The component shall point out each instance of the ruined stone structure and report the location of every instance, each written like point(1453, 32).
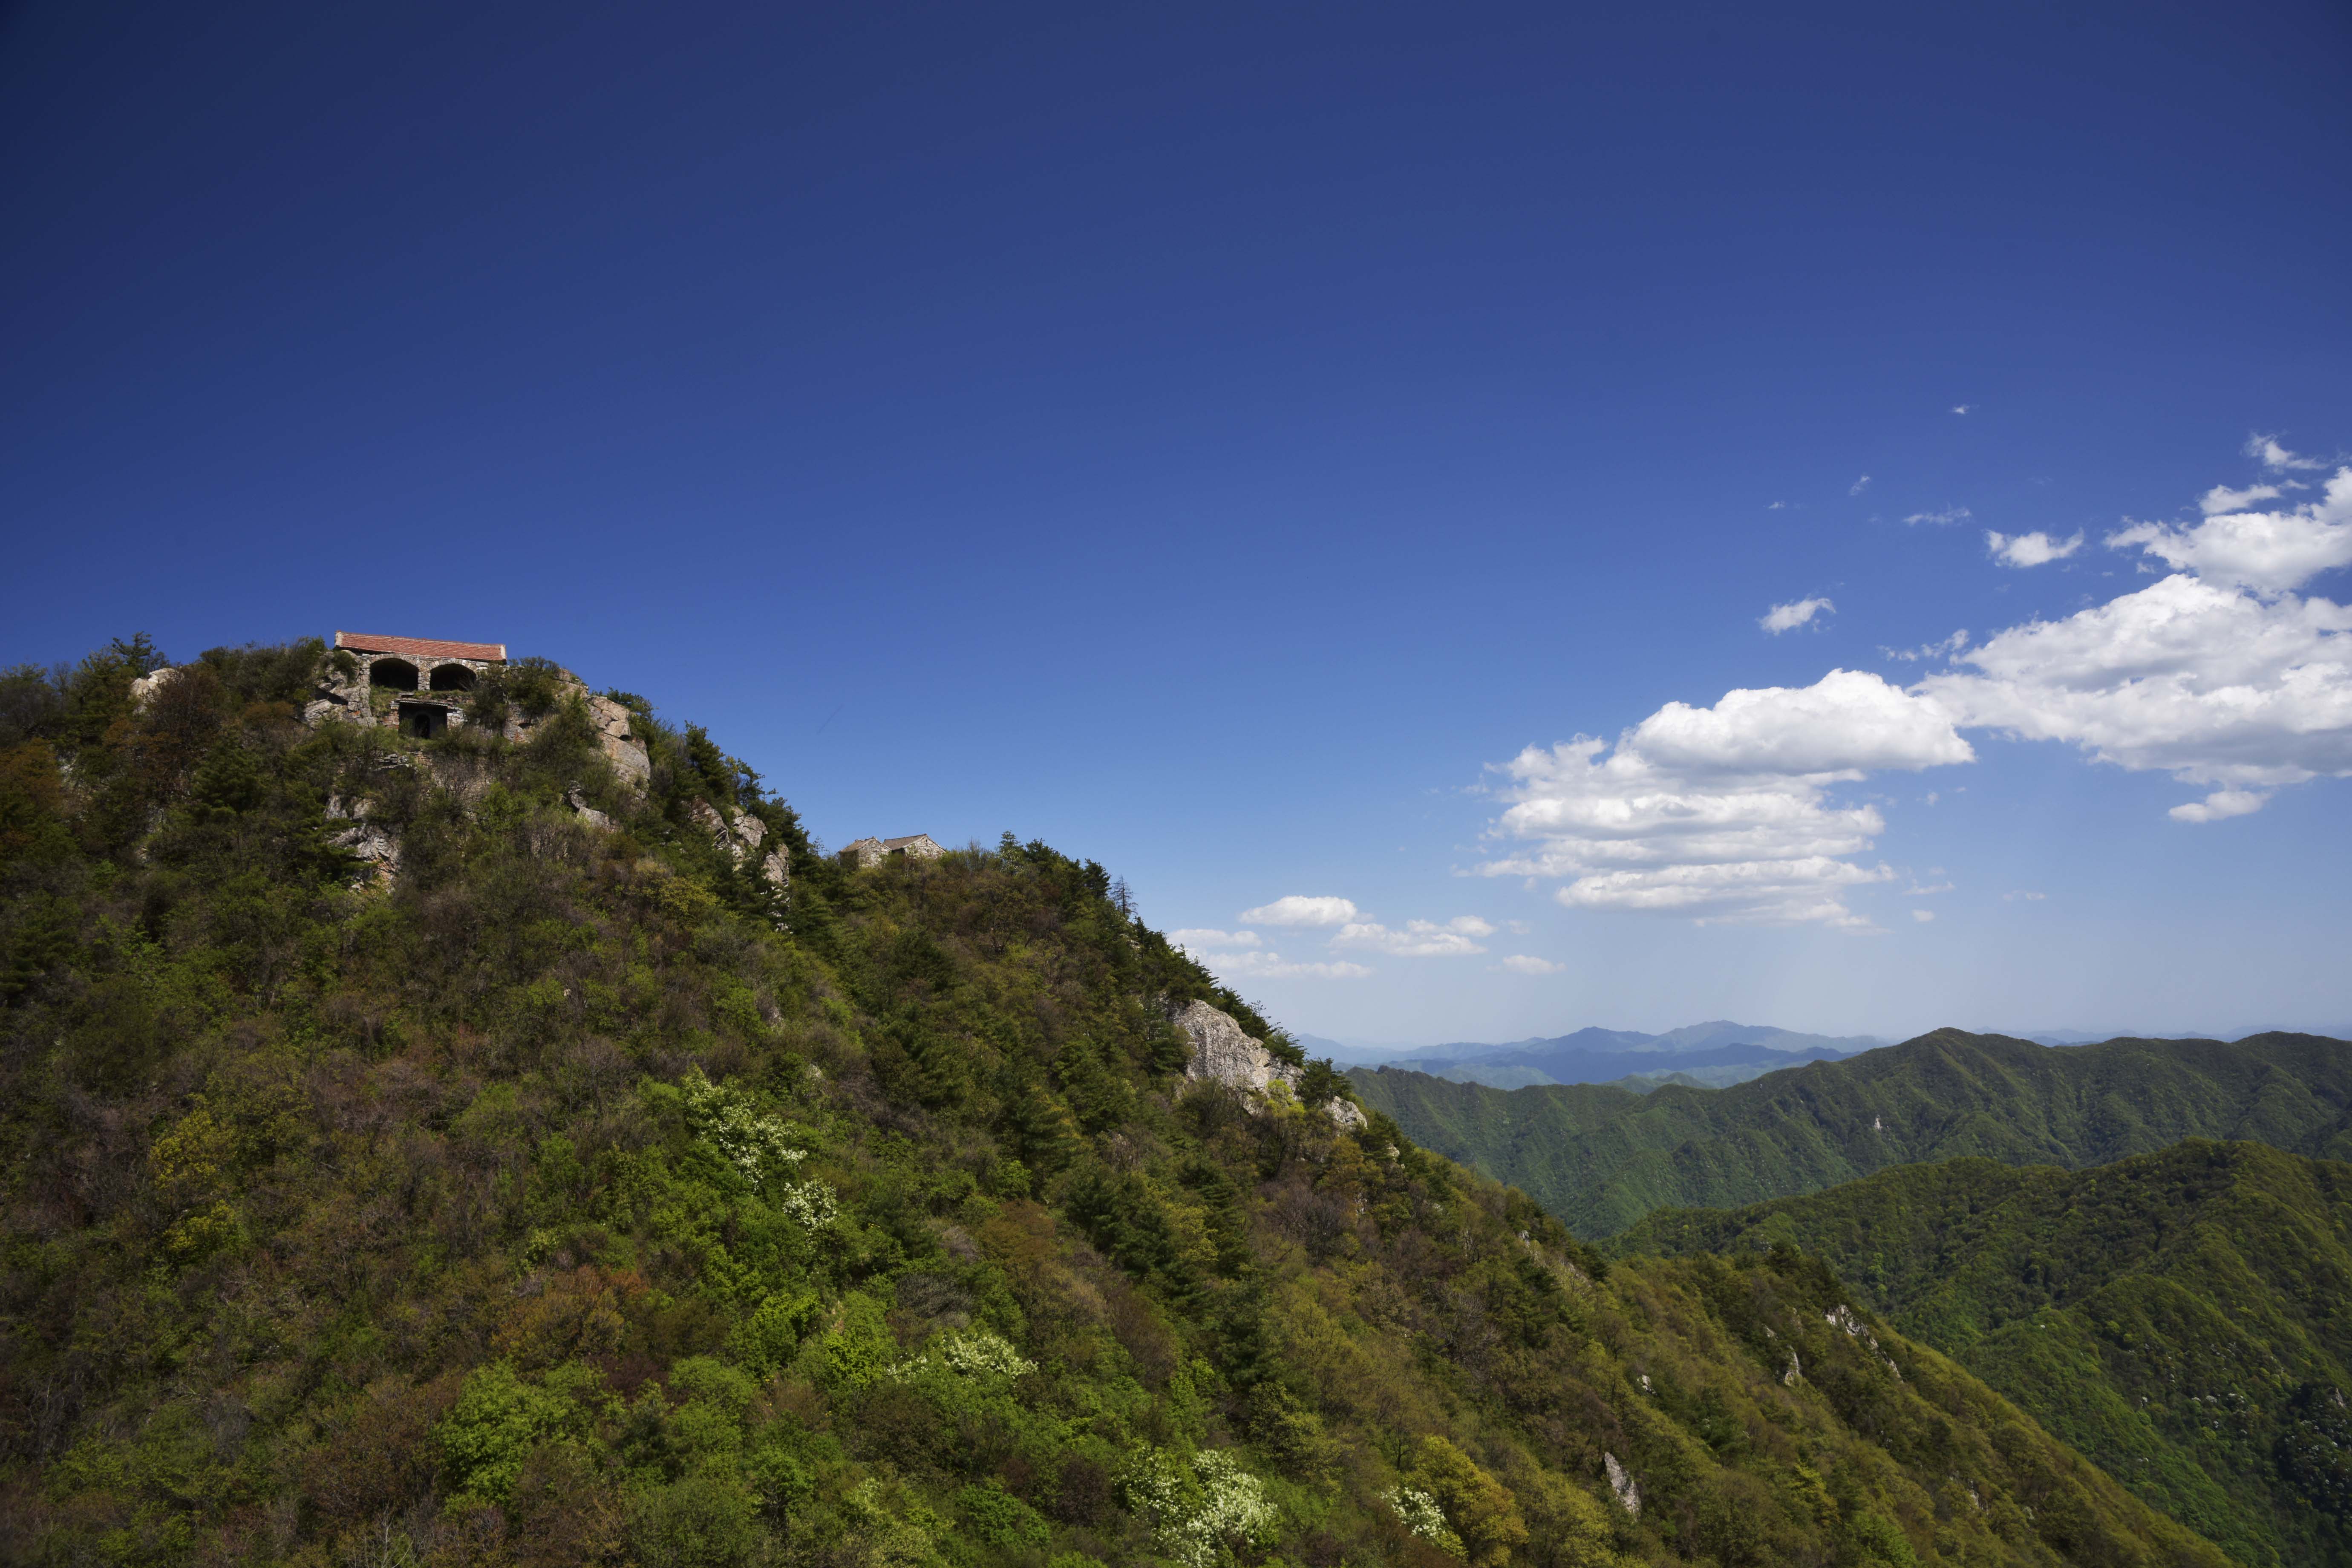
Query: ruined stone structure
point(873, 851)
point(419, 685)
point(415, 685)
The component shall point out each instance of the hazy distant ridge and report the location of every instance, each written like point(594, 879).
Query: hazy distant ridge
point(1600, 1159)
point(1712, 1054)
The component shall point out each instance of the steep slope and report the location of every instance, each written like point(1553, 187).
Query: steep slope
point(571, 1195)
point(1599, 1158)
point(2184, 1318)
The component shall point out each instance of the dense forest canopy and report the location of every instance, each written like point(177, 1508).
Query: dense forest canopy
point(572, 1193)
point(2184, 1318)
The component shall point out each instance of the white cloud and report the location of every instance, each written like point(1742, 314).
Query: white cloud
point(1723, 813)
point(2221, 498)
point(2275, 458)
point(2221, 803)
point(1788, 617)
point(2269, 552)
point(2215, 685)
point(1200, 939)
point(1917, 891)
point(2030, 897)
point(1778, 506)
point(1949, 514)
point(1923, 916)
point(1419, 939)
point(1932, 651)
point(1526, 963)
point(1273, 966)
point(2219, 675)
point(2036, 549)
point(1962, 407)
point(1858, 486)
point(1298, 910)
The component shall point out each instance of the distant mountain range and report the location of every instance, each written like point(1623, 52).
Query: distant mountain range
point(1600, 1159)
point(1710, 1055)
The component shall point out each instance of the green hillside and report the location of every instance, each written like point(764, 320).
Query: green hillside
point(1599, 1158)
point(2184, 1318)
point(572, 1194)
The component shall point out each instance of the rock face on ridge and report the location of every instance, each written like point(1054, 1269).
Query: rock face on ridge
point(1222, 1052)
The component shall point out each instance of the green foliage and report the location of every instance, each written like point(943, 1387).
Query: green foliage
point(497, 1421)
point(2179, 1317)
point(549, 1201)
point(1600, 1158)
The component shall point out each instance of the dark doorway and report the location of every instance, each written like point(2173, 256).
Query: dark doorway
point(393, 675)
point(452, 677)
point(423, 720)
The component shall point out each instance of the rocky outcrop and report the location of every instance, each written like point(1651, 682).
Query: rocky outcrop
point(1222, 1053)
point(1622, 1482)
point(373, 843)
point(620, 746)
point(609, 718)
point(578, 800)
point(143, 689)
point(738, 836)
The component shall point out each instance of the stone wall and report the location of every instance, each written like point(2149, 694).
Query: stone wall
point(871, 852)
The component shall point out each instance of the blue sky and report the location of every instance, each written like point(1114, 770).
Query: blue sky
point(1220, 443)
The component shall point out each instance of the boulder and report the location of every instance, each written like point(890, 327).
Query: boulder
point(578, 802)
point(143, 689)
point(1222, 1052)
point(621, 748)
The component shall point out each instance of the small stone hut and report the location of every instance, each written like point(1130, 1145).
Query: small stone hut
point(915, 846)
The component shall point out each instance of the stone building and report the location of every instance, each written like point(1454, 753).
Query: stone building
point(873, 851)
point(415, 685)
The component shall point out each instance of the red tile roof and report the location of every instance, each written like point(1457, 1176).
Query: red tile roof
point(422, 647)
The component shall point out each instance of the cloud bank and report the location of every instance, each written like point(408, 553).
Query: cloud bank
point(2218, 673)
point(1298, 910)
point(1723, 813)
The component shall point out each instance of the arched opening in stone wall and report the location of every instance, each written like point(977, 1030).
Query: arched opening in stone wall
point(424, 720)
point(452, 677)
point(393, 675)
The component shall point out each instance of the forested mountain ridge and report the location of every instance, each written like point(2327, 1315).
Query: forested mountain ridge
point(567, 1198)
point(2184, 1318)
point(1600, 1158)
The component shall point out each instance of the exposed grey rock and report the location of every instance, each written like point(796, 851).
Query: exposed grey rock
point(749, 831)
point(1220, 1051)
point(143, 689)
point(705, 816)
point(1622, 1482)
point(622, 748)
point(777, 868)
point(578, 800)
point(378, 846)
